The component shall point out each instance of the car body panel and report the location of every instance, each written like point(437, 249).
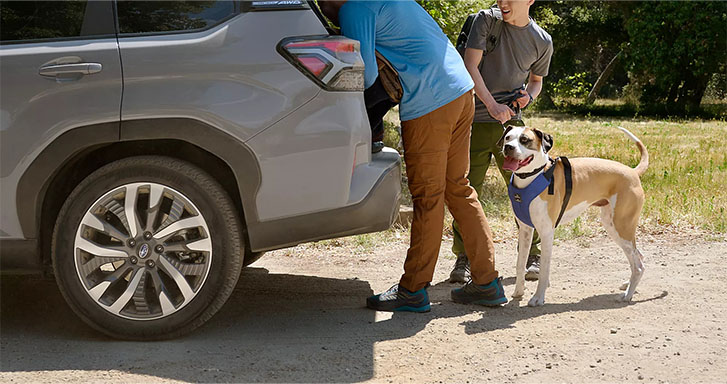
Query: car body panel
point(40, 109)
point(229, 76)
point(307, 159)
point(300, 155)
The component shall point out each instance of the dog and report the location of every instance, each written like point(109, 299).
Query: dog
point(610, 185)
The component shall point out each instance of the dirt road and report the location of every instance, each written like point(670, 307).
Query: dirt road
point(298, 316)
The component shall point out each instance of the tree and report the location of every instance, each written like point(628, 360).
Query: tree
point(450, 15)
point(587, 35)
point(674, 49)
point(602, 79)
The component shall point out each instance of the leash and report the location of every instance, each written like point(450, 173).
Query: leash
point(515, 108)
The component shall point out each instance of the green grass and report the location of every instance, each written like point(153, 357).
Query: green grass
point(687, 175)
point(685, 185)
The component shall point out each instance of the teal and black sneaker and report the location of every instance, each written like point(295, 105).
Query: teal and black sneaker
point(398, 298)
point(491, 294)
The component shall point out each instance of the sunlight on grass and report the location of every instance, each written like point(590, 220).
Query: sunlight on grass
point(684, 185)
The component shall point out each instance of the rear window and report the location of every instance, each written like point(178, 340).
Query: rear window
point(42, 20)
point(151, 17)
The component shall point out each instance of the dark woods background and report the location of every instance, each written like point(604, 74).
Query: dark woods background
point(625, 57)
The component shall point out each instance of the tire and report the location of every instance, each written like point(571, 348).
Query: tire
point(161, 274)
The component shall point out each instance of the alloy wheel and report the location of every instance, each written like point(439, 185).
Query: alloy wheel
point(143, 251)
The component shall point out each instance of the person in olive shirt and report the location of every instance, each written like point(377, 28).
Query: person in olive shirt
point(523, 53)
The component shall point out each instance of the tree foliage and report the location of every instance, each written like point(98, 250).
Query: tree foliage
point(450, 15)
point(671, 51)
point(586, 36)
point(674, 49)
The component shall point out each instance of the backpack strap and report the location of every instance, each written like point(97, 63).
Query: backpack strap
point(464, 34)
point(493, 34)
point(495, 31)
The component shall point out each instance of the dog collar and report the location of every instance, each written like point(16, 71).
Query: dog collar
point(534, 172)
point(529, 174)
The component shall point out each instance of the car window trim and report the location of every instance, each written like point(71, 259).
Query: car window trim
point(58, 39)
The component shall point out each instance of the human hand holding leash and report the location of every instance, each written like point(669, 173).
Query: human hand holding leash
point(501, 112)
point(524, 99)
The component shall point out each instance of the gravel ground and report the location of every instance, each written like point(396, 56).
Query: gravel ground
point(298, 316)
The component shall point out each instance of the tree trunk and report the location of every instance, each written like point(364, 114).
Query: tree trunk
point(693, 96)
point(545, 101)
point(602, 79)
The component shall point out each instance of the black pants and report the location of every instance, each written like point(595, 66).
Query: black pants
point(377, 104)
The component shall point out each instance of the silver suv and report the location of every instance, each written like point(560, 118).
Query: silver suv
point(151, 149)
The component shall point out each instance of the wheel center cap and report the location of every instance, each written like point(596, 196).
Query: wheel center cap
point(144, 251)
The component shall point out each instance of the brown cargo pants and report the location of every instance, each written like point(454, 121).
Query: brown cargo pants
point(436, 152)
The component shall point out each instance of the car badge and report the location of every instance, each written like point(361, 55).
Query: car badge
point(144, 250)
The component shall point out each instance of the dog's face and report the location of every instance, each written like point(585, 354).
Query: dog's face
point(525, 148)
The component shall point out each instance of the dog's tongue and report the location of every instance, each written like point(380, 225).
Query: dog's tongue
point(511, 164)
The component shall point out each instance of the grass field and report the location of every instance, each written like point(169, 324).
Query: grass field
point(686, 180)
point(685, 185)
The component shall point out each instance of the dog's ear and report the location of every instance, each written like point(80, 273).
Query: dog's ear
point(546, 139)
point(502, 139)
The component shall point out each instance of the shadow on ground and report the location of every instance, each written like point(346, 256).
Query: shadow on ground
point(274, 328)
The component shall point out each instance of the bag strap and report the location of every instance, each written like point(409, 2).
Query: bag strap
point(493, 35)
point(389, 77)
point(464, 33)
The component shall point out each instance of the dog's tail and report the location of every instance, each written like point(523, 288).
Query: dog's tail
point(644, 163)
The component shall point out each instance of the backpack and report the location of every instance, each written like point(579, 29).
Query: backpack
point(493, 34)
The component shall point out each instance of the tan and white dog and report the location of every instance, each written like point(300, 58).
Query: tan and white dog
point(614, 187)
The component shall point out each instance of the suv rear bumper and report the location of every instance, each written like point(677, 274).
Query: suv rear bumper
point(375, 212)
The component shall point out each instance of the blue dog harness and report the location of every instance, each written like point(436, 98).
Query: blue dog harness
point(521, 198)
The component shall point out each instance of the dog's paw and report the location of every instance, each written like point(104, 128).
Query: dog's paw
point(624, 286)
point(536, 301)
point(518, 293)
point(625, 297)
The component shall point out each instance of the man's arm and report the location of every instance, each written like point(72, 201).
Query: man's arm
point(535, 85)
point(500, 112)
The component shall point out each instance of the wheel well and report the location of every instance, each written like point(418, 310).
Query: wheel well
point(87, 161)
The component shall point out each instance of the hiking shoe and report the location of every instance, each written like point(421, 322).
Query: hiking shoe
point(461, 271)
point(532, 268)
point(491, 294)
point(400, 299)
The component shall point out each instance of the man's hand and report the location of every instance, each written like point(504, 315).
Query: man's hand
point(524, 99)
point(501, 112)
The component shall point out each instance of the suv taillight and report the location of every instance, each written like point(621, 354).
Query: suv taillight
point(334, 62)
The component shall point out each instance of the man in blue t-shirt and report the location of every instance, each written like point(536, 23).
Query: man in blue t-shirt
point(436, 111)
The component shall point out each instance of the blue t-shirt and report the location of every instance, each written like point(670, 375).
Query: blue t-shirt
point(431, 71)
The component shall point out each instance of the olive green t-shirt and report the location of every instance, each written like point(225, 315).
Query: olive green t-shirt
point(521, 50)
